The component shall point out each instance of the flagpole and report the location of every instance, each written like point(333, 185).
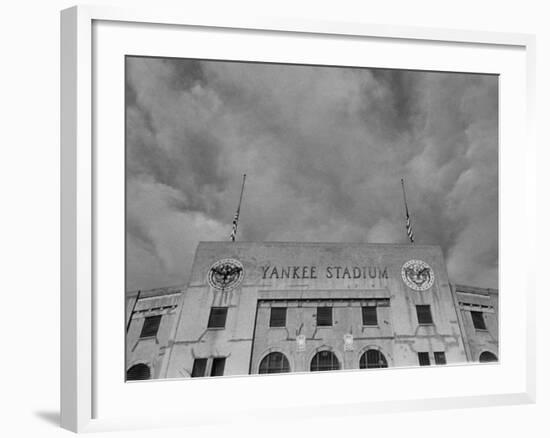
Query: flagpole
point(236, 219)
point(410, 233)
point(404, 196)
point(133, 311)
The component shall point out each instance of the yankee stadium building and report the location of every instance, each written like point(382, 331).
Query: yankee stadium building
point(279, 307)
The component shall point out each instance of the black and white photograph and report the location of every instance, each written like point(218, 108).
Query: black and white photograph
point(286, 218)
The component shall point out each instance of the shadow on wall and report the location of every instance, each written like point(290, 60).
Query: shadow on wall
point(51, 417)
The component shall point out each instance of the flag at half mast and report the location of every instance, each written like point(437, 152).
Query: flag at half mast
point(408, 225)
point(237, 213)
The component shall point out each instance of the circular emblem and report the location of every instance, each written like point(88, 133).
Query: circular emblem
point(225, 274)
point(418, 275)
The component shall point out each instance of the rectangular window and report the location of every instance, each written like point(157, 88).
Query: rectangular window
point(439, 357)
point(424, 314)
point(218, 365)
point(478, 320)
point(278, 317)
point(150, 326)
point(423, 359)
point(324, 316)
point(370, 315)
point(218, 315)
point(199, 368)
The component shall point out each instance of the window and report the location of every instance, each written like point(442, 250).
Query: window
point(278, 317)
point(199, 368)
point(373, 359)
point(217, 318)
point(423, 359)
point(487, 356)
point(478, 320)
point(440, 358)
point(139, 371)
point(325, 361)
point(324, 316)
point(370, 316)
point(274, 363)
point(150, 326)
point(424, 314)
point(218, 365)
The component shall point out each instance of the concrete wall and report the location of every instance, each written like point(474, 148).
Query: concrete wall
point(301, 320)
point(150, 350)
point(315, 273)
point(192, 339)
point(470, 299)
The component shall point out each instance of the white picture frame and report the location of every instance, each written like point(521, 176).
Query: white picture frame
point(89, 400)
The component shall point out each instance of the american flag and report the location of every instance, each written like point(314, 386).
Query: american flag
point(236, 218)
point(410, 233)
point(409, 228)
point(234, 230)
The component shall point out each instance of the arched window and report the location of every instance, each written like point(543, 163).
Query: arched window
point(373, 359)
point(139, 371)
point(487, 356)
point(325, 361)
point(274, 363)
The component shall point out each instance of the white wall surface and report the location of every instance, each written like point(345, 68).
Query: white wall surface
point(29, 184)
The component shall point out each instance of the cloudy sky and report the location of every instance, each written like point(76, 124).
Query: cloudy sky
point(323, 149)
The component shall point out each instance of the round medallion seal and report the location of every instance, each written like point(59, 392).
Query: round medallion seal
point(225, 274)
point(418, 275)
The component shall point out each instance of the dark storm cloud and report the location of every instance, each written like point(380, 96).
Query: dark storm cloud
point(324, 150)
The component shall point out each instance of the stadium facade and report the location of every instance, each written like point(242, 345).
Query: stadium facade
point(253, 308)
